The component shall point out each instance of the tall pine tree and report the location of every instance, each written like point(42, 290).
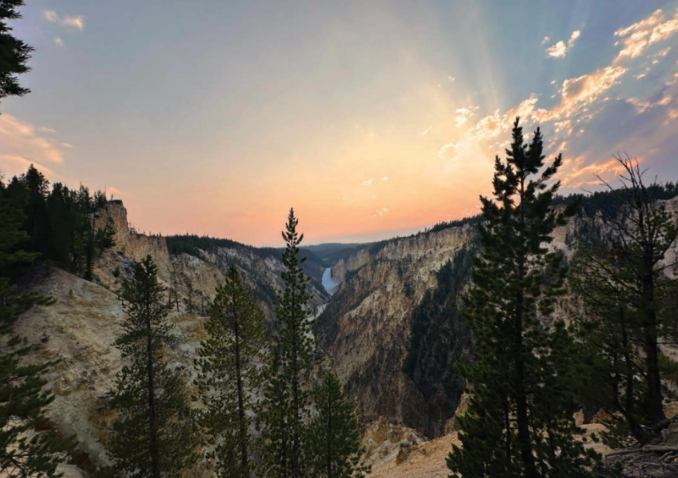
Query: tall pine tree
point(22, 397)
point(334, 449)
point(519, 422)
point(152, 436)
point(229, 376)
point(627, 288)
point(14, 53)
point(288, 377)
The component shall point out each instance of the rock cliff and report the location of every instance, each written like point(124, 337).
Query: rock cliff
point(366, 327)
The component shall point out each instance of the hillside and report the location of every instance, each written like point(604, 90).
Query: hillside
point(393, 328)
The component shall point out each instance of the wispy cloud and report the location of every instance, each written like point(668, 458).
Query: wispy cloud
point(582, 175)
point(367, 182)
point(15, 165)
point(19, 138)
point(384, 178)
point(639, 36)
point(462, 115)
point(577, 94)
point(560, 49)
point(448, 151)
point(58, 41)
point(77, 21)
point(384, 211)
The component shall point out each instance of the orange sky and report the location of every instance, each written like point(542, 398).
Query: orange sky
point(370, 118)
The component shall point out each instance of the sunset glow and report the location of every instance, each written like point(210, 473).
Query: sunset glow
point(370, 118)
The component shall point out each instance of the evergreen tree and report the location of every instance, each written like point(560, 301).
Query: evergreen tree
point(229, 376)
point(333, 436)
point(89, 241)
point(627, 291)
point(152, 437)
point(105, 238)
point(22, 398)
point(520, 419)
point(14, 53)
point(275, 418)
point(611, 346)
point(290, 365)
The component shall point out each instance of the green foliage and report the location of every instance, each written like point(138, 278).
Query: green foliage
point(22, 398)
point(14, 53)
point(520, 418)
point(229, 377)
point(440, 342)
point(628, 298)
point(59, 223)
point(286, 397)
point(152, 436)
point(105, 238)
point(333, 436)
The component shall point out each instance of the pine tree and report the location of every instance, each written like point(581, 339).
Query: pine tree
point(105, 238)
point(89, 241)
point(609, 331)
point(152, 436)
point(275, 418)
point(627, 290)
point(22, 397)
point(519, 422)
point(334, 449)
point(14, 53)
point(229, 376)
point(290, 364)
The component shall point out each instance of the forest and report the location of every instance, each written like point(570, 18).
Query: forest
point(531, 336)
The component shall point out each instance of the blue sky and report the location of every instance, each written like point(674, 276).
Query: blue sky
point(371, 118)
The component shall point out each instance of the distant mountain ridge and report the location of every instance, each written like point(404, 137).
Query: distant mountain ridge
point(393, 328)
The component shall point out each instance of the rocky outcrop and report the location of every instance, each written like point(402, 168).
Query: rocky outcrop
point(132, 245)
point(195, 277)
point(79, 330)
point(366, 327)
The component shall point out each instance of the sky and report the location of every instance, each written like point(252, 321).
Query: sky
point(371, 118)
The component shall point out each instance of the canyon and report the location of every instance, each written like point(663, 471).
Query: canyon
point(406, 390)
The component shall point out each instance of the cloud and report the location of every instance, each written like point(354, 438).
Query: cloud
point(22, 139)
point(58, 41)
point(50, 15)
point(77, 22)
point(560, 49)
point(545, 40)
point(585, 89)
point(367, 182)
point(639, 36)
point(15, 165)
point(588, 175)
point(384, 178)
point(448, 151)
point(577, 94)
point(115, 193)
point(496, 124)
point(463, 115)
point(384, 211)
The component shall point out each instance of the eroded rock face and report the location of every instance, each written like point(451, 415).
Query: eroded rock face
point(193, 278)
point(79, 330)
point(366, 326)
